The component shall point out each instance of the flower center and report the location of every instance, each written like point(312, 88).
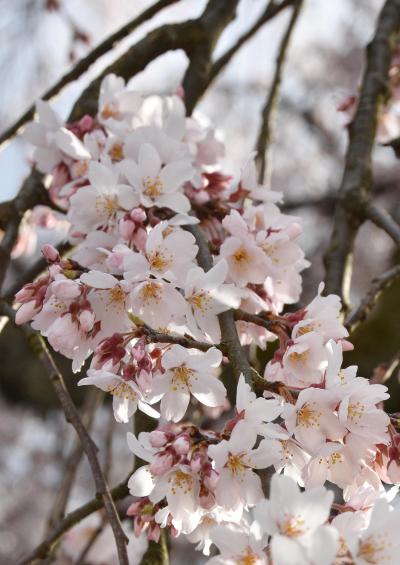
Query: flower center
point(151, 292)
point(293, 526)
point(159, 261)
point(152, 187)
point(371, 550)
point(116, 152)
point(307, 417)
point(355, 411)
point(106, 205)
point(116, 295)
point(240, 255)
point(249, 558)
point(235, 463)
point(109, 111)
point(122, 390)
point(182, 481)
point(181, 377)
point(201, 301)
point(298, 358)
point(306, 329)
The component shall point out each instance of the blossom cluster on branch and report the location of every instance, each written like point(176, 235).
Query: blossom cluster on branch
point(137, 182)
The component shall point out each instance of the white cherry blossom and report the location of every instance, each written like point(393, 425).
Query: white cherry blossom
point(188, 371)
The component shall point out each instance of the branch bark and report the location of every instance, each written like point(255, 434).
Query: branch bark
point(357, 175)
point(83, 65)
point(269, 110)
point(378, 285)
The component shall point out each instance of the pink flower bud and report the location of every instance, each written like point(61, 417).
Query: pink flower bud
point(206, 499)
point(50, 253)
point(144, 380)
point(158, 438)
point(115, 261)
point(126, 229)
point(182, 445)
point(211, 479)
point(26, 312)
point(134, 508)
point(66, 289)
point(140, 238)
point(86, 320)
point(153, 533)
point(161, 464)
point(138, 215)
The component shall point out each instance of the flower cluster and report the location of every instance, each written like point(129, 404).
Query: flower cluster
point(138, 183)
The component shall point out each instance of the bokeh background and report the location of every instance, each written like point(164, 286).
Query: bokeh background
point(40, 40)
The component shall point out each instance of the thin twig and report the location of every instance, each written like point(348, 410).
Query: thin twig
point(383, 220)
point(356, 182)
point(269, 110)
point(229, 337)
point(159, 337)
point(42, 550)
point(378, 285)
point(384, 371)
point(72, 416)
point(72, 461)
point(90, 542)
point(83, 65)
point(270, 12)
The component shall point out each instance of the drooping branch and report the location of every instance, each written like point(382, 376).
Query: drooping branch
point(72, 461)
point(383, 220)
point(378, 285)
point(73, 417)
point(357, 175)
point(269, 110)
point(272, 9)
point(229, 336)
point(119, 492)
point(159, 337)
point(83, 64)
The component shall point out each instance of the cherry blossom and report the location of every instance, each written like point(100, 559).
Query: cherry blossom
point(188, 371)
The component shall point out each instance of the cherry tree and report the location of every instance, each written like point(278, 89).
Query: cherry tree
point(173, 272)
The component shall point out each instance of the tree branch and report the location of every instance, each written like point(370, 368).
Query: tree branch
point(72, 416)
point(270, 12)
point(383, 220)
point(83, 65)
point(43, 549)
point(269, 110)
point(357, 173)
point(378, 285)
point(229, 336)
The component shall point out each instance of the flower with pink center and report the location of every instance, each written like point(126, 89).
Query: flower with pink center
point(246, 261)
point(313, 419)
point(207, 296)
point(157, 184)
point(296, 521)
point(235, 460)
point(102, 202)
point(188, 371)
point(127, 397)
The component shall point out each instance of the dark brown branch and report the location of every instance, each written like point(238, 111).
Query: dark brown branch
point(229, 336)
point(384, 371)
point(72, 416)
point(270, 12)
point(383, 220)
point(72, 462)
point(356, 181)
point(159, 337)
point(378, 285)
point(43, 549)
point(83, 65)
point(269, 110)
point(215, 18)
